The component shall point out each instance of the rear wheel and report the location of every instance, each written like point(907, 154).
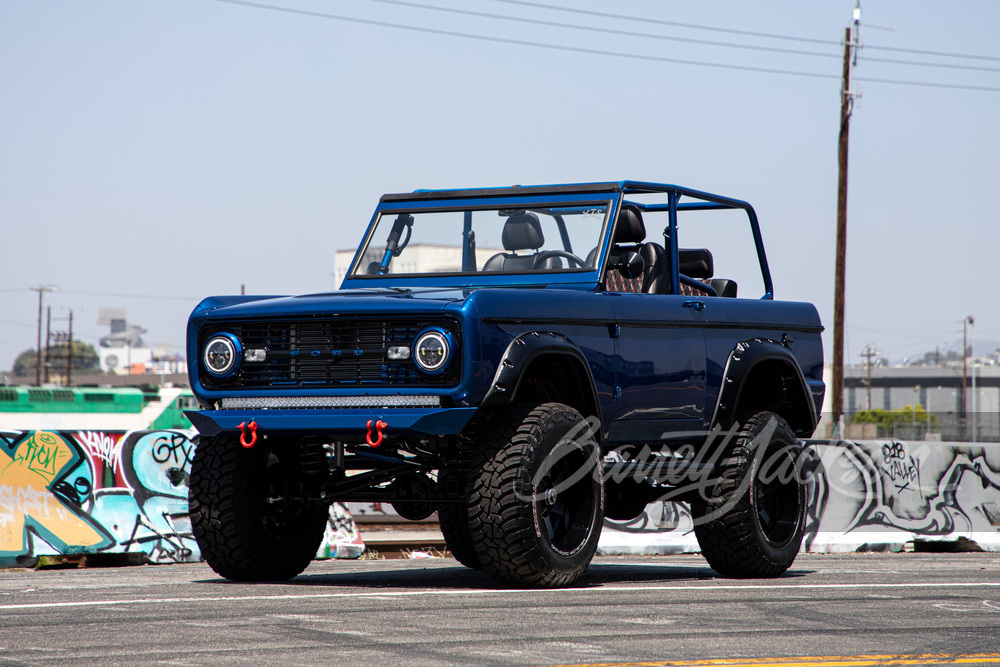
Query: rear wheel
point(752, 521)
point(248, 511)
point(536, 501)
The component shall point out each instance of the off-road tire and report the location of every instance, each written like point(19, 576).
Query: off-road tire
point(751, 523)
point(536, 502)
point(246, 509)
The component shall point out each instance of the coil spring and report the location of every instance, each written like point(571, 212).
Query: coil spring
point(313, 460)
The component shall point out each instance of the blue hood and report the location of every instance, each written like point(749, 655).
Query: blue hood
point(348, 302)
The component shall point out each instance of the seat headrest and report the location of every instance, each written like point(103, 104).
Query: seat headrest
point(630, 228)
point(696, 263)
point(523, 232)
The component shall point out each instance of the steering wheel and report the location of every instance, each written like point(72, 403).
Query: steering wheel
point(546, 254)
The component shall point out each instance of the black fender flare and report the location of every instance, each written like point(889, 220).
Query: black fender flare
point(744, 358)
point(519, 355)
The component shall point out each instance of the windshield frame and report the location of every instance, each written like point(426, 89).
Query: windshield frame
point(587, 277)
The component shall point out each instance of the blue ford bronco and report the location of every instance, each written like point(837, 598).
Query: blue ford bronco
point(524, 361)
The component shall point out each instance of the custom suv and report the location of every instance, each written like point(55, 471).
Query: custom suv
point(525, 361)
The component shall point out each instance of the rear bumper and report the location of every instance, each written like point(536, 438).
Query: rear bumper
point(346, 422)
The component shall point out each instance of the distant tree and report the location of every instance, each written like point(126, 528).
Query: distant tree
point(938, 358)
point(85, 360)
point(886, 419)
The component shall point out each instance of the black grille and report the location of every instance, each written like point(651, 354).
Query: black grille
point(329, 353)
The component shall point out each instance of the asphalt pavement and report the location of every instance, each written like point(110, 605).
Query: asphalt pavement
point(910, 608)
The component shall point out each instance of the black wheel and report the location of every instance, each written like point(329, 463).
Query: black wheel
point(454, 521)
point(751, 524)
point(247, 510)
point(536, 502)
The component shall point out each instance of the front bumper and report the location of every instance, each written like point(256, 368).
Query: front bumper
point(352, 422)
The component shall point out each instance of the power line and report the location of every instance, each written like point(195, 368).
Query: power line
point(732, 31)
point(575, 49)
point(124, 295)
point(521, 42)
point(924, 84)
point(920, 52)
point(17, 324)
point(610, 31)
point(675, 24)
point(670, 38)
point(892, 61)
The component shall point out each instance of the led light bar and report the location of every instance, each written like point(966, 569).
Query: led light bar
point(295, 402)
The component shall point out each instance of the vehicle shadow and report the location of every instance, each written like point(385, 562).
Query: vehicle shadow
point(447, 574)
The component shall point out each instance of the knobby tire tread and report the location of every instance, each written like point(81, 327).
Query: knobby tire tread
point(503, 526)
point(728, 542)
point(218, 521)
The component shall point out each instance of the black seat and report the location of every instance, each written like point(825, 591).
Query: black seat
point(630, 232)
point(521, 231)
point(696, 264)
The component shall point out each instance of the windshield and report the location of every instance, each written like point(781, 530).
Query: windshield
point(497, 240)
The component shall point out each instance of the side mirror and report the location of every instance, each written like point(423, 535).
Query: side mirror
point(631, 265)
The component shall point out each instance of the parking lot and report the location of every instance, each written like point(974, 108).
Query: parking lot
point(649, 610)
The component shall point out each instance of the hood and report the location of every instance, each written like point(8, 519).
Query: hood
point(347, 302)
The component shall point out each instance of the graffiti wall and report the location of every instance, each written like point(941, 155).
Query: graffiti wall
point(79, 492)
point(111, 492)
point(869, 495)
point(880, 495)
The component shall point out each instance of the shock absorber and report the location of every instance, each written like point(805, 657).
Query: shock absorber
point(315, 471)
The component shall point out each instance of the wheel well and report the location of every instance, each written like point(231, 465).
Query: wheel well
point(775, 386)
point(557, 378)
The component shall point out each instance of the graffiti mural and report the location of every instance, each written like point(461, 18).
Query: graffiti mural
point(867, 495)
point(80, 492)
point(664, 527)
point(888, 493)
point(342, 539)
point(111, 492)
point(144, 503)
point(45, 490)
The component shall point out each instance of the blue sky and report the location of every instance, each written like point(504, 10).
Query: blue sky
point(154, 152)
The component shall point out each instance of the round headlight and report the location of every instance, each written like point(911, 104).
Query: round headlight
point(432, 351)
point(221, 354)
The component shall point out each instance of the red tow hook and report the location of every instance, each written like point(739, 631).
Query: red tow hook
point(244, 427)
point(379, 427)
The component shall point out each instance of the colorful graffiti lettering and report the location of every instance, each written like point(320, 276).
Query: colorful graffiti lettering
point(38, 499)
point(87, 492)
point(150, 512)
point(92, 491)
point(103, 446)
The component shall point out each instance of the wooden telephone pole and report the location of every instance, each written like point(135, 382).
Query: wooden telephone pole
point(851, 43)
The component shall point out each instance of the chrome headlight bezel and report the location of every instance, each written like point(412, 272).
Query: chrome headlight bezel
point(234, 349)
point(446, 344)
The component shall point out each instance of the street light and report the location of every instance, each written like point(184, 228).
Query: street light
point(41, 289)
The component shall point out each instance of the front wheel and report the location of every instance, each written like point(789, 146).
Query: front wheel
point(536, 503)
point(751, 520)
point(248, 510)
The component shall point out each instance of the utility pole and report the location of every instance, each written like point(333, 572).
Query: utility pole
point(69, 353)
point(41, 289)
point(868, 353)
point(851, 43)
point(965, 354)
point(48, 342)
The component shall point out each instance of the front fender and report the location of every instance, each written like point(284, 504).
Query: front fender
point(524, 350)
